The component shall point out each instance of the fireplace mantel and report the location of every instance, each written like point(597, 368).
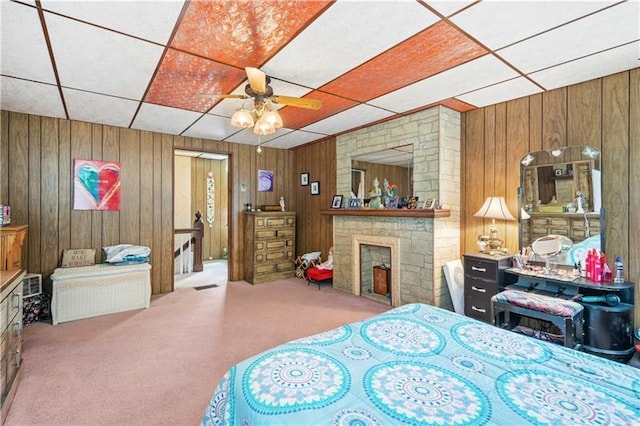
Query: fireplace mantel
point(418, 213)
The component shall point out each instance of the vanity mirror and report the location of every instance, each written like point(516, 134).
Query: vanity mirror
point(561, 194)
point(394, 164)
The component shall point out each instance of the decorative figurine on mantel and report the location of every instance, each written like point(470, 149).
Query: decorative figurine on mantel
point(390, 194)
point(375, 195)
point(282, 204)
point(579, 202)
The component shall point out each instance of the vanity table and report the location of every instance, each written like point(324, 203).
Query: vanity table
point(607, 329)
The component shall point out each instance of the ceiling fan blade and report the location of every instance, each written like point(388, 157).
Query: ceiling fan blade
point(211, 95)
point(257, 79)
point(297, 102)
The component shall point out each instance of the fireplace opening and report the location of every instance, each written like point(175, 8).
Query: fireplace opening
point(375, 272)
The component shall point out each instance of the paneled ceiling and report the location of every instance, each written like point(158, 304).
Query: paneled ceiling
point(141, 64)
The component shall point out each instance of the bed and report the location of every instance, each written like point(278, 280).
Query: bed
point(418, 364)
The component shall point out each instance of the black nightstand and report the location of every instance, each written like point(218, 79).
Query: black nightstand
point(483, 277)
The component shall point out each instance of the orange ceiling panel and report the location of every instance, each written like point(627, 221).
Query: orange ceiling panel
point(457, 105)
point(241, 32)
point(182, 76)
point(296, 118)
point(432, 51)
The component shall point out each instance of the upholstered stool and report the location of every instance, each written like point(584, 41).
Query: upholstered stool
point(564, 314)
point(319, 275)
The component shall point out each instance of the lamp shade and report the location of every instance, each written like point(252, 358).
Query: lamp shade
point(272, 118)
point(263, 128)
point(495, 208)
point(242, 118)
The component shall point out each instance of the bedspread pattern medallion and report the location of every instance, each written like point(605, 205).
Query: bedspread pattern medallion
point(418, 364)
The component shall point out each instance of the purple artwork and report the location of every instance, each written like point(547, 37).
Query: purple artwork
point(265, 180)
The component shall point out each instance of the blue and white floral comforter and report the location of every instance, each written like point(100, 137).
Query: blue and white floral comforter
point(418, 364)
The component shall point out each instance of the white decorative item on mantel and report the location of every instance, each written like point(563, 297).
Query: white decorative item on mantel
point(282, 208)
point(210, 199)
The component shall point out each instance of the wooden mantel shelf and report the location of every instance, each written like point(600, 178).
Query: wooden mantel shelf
point(417, 213)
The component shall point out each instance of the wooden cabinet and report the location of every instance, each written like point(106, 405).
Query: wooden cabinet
point(269, 250)
point(484, 276)
point(11, 240)
point(11, 339)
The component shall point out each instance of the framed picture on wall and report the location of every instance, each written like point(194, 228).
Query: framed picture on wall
point(304, 179)
point(337, 202)
point(315, 188)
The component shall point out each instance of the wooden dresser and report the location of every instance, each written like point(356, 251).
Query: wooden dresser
point(269, 249)
point(11, 275)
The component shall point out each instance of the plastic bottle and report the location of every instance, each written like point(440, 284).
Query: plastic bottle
point(596, 275)
point(619, 276)
point(588, 264)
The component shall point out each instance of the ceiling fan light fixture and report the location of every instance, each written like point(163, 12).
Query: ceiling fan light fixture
point(272, 118)
point(242, 118)
point(263, 128)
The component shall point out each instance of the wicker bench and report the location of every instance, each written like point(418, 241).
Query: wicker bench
point(88, 291)
point(564, 314)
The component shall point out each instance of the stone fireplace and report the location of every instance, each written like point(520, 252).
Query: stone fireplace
point(419, 246)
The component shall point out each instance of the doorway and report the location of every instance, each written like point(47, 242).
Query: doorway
point(201, 184)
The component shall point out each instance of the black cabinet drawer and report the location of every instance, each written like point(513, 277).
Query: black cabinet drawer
point(480, 269)
point(478, 308)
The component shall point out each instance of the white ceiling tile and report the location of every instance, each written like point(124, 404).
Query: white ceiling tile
point(613, 27)
point(606, 63)
point(158, 118)
point(344, 36)
point(293, 139)
point(480, 72)
point(30, 97)
point(353, 117)
point(151, 20)
point(101, 61)
point(24, 50)
point(448, 7)
point(499, 23)
point(247, 137)
point(512, 89)
point(95, 108)
point(212, 127)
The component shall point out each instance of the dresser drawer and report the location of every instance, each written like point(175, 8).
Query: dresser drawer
point(480, 269)
point(478, 308)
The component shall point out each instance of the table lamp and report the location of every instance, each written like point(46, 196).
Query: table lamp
point(494, 208)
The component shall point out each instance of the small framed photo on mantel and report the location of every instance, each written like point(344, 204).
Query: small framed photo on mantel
point(337, 202)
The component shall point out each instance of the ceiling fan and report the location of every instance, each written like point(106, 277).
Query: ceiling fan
point(261, 116)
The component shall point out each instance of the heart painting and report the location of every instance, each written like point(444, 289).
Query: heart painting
point(96, 185)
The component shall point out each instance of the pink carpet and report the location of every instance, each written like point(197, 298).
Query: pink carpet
point(159, 366)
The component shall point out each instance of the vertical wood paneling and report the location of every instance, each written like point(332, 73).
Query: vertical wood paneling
point(18, 177)
point(4, 158)
point(35, 142)
point(80, 149)
point(166, 245)
point(474, 165)
point(554, 118)
point(130, 197)
point(65, 176)
point(615, 163)
point(517, 147)
point(111, 219)
point(500, 168)
point(146, 189)
point(535, 122)
point(584, 125)
point(49, 205)
point(632, 263)
point(156, 217)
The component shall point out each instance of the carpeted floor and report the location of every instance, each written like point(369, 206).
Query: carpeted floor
point(159, 366)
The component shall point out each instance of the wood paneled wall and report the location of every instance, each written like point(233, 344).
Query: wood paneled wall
point(314, 231)
point(36, 179)
point(215, 237)
point(603, 113)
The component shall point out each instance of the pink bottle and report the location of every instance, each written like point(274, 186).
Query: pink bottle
point(588, 265)
point(597, 268)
